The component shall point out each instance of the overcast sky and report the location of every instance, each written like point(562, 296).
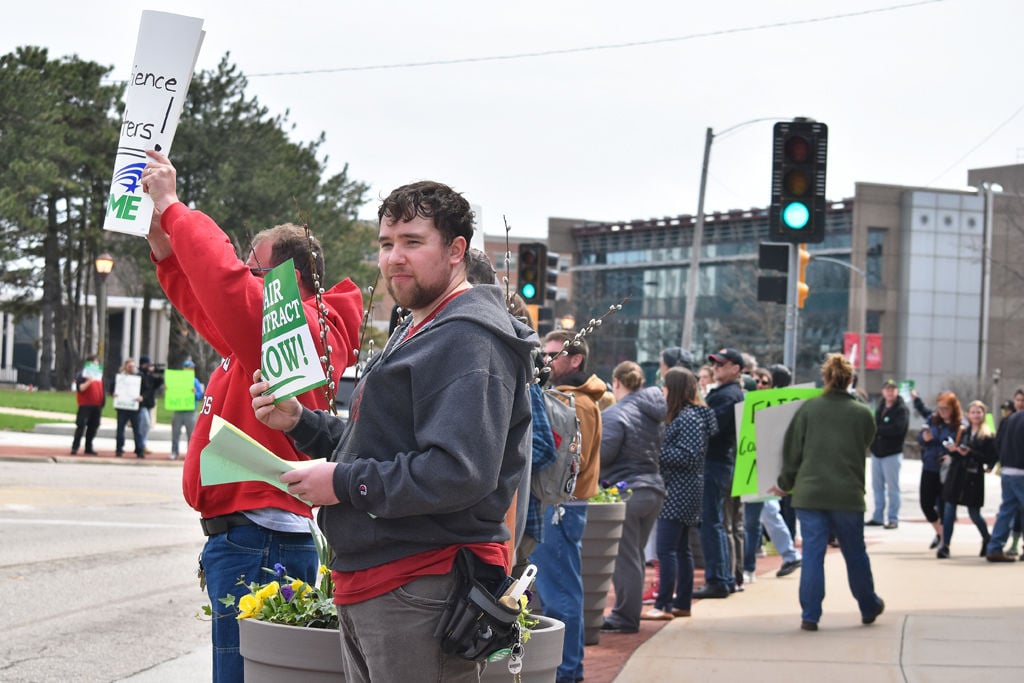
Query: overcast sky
point(913, 92)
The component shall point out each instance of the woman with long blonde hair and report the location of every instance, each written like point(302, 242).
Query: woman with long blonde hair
point(970, 455)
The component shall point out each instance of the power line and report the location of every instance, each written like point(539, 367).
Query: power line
point(972, 150)
point(595, 48)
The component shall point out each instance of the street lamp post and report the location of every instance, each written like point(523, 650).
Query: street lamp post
point(104, 264)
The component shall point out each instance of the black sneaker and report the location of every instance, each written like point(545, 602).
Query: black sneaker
point(873, 522)
point(608, 627)
point(711, 590)
point(788, 568)
point(808, 626)
point(870, 620)
point(892, 525)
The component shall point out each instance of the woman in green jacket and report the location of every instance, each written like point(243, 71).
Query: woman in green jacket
point(823, 467)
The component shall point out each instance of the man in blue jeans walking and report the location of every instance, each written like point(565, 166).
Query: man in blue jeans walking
point(719, 580)
point(1010, 441)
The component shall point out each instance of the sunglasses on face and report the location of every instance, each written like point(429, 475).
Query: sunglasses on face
point(763, 382)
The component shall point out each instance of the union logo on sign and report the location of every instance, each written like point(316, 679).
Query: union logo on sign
point(129, 176)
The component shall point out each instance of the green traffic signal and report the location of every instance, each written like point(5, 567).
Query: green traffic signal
point(796, 215)
point(528, 291)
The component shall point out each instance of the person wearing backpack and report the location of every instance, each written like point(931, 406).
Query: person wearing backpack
point(559, 580)
point(631, 433)
point(543, 455)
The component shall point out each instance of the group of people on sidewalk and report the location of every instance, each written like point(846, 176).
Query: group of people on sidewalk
point(424, 489)
point(91, 396)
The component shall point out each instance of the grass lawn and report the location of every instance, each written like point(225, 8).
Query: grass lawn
point(22, 423)
point(63, 402)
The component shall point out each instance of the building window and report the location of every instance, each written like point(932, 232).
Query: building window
point(873, 267)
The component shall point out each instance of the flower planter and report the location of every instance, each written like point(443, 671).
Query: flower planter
point(275, 652)
point(541, 655)
point(600, 548)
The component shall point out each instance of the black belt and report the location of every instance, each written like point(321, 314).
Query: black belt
point(218, 525)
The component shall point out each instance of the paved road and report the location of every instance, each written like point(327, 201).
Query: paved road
point(96, 563)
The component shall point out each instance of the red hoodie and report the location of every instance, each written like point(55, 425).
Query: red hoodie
point(218, 295)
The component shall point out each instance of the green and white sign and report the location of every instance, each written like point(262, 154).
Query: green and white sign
point(291, 362)
point(181, 390)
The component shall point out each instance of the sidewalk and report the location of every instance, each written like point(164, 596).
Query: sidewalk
point(945, 620)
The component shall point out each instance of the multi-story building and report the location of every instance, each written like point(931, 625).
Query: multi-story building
point(940, 269)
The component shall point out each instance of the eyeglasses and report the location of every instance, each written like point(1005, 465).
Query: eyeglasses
point(260, 272)
point(764, 382)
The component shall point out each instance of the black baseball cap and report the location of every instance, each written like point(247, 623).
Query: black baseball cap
point(727, 356)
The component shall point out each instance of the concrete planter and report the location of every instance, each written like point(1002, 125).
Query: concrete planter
point(600, 548)
point(541, 655)
point(275, 653)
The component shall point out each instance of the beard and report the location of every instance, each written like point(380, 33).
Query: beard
point(415, 295)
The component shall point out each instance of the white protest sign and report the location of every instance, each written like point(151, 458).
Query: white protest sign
point(127, 389)
point(771, 427)
point(291, 362)
point(165, 57)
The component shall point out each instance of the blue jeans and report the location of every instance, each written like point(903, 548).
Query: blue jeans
point(1010, 507)
point(949, 519)
point(145, 422)
point(243, 551)
point(885, 486)
point(559, 582)
point(713, 540)
point(126, 417)
point(675, 565)
point(849, 530)
point(752, 534)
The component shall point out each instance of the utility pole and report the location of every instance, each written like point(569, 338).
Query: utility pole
point(693, 277)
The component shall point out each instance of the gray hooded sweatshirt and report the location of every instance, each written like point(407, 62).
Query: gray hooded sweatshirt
point(437, 439)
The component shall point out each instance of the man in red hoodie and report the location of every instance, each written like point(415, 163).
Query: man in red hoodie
point(249, 525)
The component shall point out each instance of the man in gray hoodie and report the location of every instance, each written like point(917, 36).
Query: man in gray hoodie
point(436, 443)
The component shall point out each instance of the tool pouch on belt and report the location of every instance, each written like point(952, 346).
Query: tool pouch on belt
point(474, 623)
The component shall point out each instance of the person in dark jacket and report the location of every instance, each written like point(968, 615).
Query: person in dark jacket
point(1010, 445)
point(941, 425)
point(719, 579)
point(690, 426)
point(969, 458)
point(891, 421)
point(631, 432)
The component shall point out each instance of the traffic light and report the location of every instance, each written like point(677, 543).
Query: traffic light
point(801, 284)
point(771, 257)
point(551, 277)
point(799, 159)
point(532, 260)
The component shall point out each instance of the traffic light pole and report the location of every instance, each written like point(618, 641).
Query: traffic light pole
point(792, 313)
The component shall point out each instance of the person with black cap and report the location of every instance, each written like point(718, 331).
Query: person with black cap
point(892, 419)
point(719, 579)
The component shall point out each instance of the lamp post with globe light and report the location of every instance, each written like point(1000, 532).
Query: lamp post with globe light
point(104, 263)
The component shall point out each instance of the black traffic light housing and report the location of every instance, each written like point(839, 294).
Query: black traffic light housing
point(551, 277)
point(799, 161)
point(532, 263)
point(772, 257)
